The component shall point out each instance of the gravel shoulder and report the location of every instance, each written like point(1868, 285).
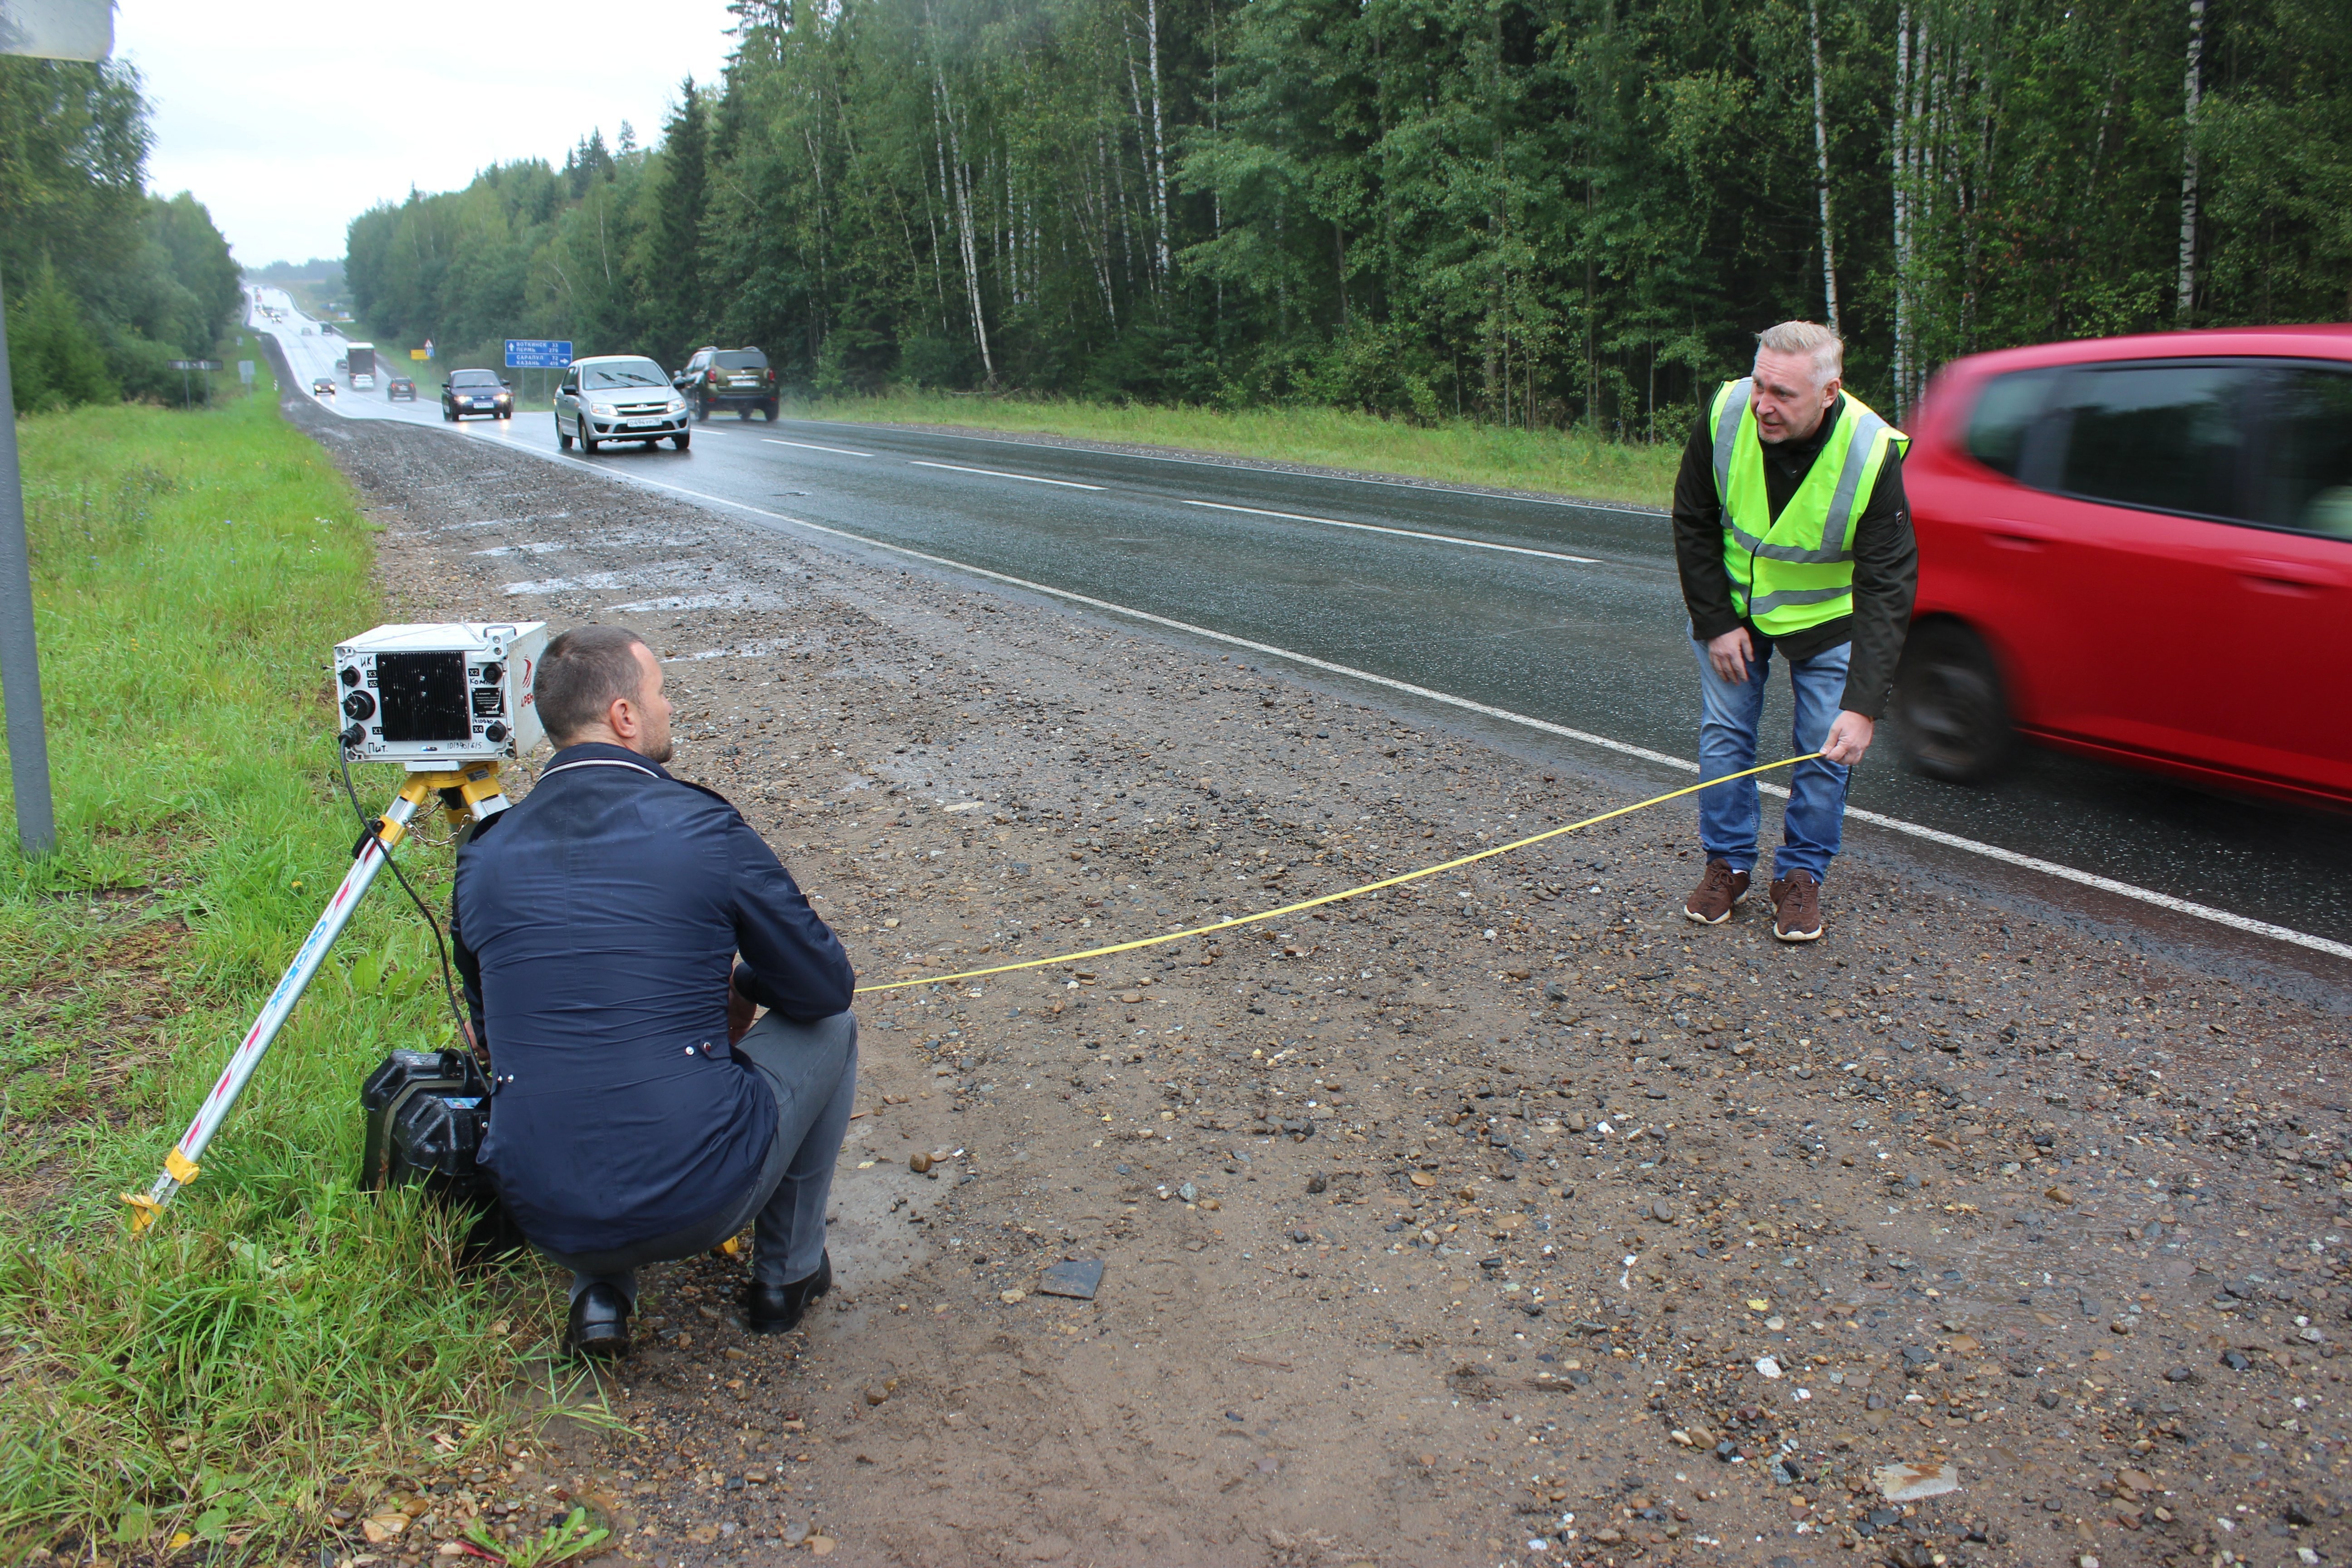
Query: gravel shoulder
point(1507, 1216)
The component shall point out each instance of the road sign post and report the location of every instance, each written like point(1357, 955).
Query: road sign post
point(528, 355)
point(185, 365)
point(538, 354)
point(57, 30)
point(20, 658)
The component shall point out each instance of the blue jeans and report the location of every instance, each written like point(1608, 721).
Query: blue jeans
point(1814, 822)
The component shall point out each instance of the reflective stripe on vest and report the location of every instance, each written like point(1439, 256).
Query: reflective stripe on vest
point(1796, 570)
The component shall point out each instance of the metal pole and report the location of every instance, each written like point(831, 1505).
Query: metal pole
point(20, 659)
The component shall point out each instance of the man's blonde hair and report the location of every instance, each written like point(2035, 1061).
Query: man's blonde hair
point(1825, 348)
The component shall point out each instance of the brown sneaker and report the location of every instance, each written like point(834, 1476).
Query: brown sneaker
point(1797, 907)
point(1711, 901)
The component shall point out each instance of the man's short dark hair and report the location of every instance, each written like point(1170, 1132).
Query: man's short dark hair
point(580, 674)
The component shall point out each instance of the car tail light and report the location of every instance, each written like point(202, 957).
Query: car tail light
point(714, 377)
point(768, 375)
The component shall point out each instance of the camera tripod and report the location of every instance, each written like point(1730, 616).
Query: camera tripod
point(470, 796)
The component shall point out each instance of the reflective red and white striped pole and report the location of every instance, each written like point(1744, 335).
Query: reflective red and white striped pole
point(180, 1165)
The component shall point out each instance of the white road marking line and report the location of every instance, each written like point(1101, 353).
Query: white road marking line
point(1001, 474)
point(1401, 532)
point(1247, 466)
point(598, 581)
point(699, 602)
point(813, 447)
point(2245, 923)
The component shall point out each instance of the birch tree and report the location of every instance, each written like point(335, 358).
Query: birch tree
point(2185, 298)
point(1821, 174)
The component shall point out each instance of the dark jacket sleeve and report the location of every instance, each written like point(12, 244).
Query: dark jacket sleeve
point(469, 971)
point(793, 964)
point(1699, 540)
point(1885, 581)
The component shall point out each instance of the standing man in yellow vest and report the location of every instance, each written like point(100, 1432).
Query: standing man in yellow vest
point(1792, 534)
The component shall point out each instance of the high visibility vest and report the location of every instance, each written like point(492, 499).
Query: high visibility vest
point(1796, 570)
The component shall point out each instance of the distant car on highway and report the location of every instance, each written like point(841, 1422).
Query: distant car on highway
point(322, 386)
point(400, 389)
point(2139, 550)
point(740, 379)
point(618, 397)
point(475, 392)
point(343, 365)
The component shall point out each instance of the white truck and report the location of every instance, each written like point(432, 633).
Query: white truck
point(363, 365)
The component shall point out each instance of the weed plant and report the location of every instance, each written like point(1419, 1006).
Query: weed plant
point(279, 1344)
point(1452, 452)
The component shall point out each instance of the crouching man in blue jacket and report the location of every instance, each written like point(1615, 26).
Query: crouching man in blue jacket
point(639, 1113)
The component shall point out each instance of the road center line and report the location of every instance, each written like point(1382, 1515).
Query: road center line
point(813, 447)
point(1001, 474)
point(1244, 465)
point(1401, 532)
point(1892, 824)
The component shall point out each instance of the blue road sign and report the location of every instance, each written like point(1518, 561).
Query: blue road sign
point(538, 354)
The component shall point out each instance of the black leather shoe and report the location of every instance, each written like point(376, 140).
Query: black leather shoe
point(778, 1308)
point(599, 1328)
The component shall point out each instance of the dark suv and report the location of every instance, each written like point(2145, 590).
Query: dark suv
point(740, 379)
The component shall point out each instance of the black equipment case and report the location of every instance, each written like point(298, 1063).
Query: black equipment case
point(426, 1113)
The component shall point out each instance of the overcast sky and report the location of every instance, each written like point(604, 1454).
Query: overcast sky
point(290, 118)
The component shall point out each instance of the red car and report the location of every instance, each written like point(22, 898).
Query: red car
point(2139, 550)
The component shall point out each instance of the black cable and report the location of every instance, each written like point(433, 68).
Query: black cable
point(440, 943)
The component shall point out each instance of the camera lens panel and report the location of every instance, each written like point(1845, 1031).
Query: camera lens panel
point(424, 697)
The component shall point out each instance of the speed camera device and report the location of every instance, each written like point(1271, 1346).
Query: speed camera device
point(440, 696)
point(449, 704)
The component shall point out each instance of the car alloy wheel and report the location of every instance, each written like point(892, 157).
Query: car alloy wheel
point(682, 440)
point(587, 442)
point(562, 437)
point(1952, 714)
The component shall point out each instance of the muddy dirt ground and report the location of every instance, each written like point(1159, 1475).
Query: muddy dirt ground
point(1509, 1217)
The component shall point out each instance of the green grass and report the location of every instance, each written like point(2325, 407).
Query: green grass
point(1454, 451)
point(279, 1344)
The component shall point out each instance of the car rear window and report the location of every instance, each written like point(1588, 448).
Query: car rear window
point(626, 372)
point(2307, 482)
point(740, 358)
point(2004, 415)
point(2165, 436)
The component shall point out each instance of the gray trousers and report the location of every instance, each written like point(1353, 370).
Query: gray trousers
point(811, 1070)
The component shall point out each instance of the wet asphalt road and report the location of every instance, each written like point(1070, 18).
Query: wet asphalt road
point(1576, 621)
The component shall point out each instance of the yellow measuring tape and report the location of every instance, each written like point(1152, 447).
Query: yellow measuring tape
point(1237, 922)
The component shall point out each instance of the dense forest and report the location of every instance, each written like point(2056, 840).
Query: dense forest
point(105, 282)
point(1537, 212)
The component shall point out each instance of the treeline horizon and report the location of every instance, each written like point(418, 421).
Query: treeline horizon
point(1543, 213)
point(105, 282)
